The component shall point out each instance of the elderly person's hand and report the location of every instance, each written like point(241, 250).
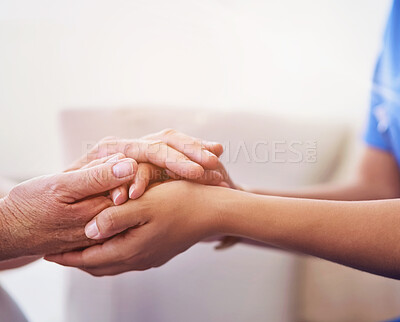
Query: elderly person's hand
point(47, 214)
point(163, 155)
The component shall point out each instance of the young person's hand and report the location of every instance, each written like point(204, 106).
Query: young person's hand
point(226, 179)
point(47, 214)
point(148, 174)
point(168, 219)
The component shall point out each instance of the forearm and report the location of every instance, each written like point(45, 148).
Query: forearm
point(5, 187)
point(7, 247)
point(363, 235)
point(376, 177)
point(352, 191)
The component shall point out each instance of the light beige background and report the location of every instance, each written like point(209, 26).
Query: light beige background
point(309, 59)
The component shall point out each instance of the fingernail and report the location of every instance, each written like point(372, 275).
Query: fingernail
point(116, 197)
point(131, 190)
point(91, 230)
point(123, 168)
point(210, 154)
point(224, 184)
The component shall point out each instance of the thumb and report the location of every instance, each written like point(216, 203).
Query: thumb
point(98, 179)
point(114, 220)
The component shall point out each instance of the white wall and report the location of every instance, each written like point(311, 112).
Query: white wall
point(296, 57)
point(308, 58)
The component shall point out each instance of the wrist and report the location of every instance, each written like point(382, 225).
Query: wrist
point(244, 214)
point(8, 247)
point(221, 207)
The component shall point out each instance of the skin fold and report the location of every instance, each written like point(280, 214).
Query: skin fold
point(46, 213)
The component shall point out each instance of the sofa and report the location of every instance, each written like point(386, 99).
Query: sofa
point(242, 283)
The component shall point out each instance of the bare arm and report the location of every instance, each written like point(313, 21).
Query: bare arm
point(378, 177)
point(175, 215)
point(364, 235)
point(5, 186)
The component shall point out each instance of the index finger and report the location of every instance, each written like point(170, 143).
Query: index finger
point(204, 153)
point(108, 253)
point(156, 152)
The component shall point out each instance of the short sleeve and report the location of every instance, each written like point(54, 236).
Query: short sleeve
point(376, 131)
point(384, 90)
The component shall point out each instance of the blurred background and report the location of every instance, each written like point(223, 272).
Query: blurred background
point(303, 61)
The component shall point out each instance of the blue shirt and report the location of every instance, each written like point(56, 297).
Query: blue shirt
point(383, 130)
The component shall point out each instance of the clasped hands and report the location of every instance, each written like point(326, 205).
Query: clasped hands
point(135, 216)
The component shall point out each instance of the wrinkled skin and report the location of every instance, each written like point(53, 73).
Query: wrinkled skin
point(47, 214)
point(165, 154)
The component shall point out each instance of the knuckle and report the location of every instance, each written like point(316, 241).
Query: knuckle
point(96, 177)
point(180, 157)
point(106, 223)
point(108, 139)
point(130, 148)
point(155, 146)
point(156, 143)
point(57, 187)
point(198, 144)
point(192, 146)
point(168, 132)
point(212, 160)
